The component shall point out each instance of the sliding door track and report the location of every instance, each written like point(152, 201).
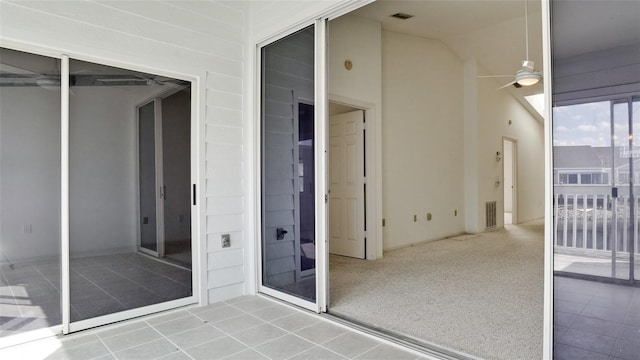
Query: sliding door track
point(410, 342)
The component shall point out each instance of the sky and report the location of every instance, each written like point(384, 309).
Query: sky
point(590, 124)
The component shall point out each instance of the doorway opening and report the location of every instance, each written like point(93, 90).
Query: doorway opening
point(509, 167)
point(347, 181)
point(164, 182)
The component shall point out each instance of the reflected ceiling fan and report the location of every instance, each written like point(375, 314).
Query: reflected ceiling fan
point(527, 75)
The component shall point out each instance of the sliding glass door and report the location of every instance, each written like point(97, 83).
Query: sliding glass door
point(94, 173)
point(30, 284)
point(596, 172)
point(289, 168)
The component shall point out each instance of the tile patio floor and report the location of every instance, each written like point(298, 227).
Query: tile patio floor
point(594, 320)
point(248, 327)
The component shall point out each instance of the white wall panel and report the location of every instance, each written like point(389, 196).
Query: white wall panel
point(197, 39)
point(422, 138)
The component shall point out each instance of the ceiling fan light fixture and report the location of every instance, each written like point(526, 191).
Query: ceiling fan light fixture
point(527, 78)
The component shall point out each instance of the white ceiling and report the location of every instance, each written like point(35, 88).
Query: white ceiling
point(493, 31)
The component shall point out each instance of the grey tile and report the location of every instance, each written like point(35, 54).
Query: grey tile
point(150, 350)
point(135, 338)
point(321, 332)
point(117, 329)
point(197, 336)
point(318, 353)
point(627, 350)
point(88, 350)
point(259, 334)
point(167, 317)
point(598, 343)
point(615, 301)
point(566, 352)
point(384, 352)
point(251, 303)
point(568, 307)
point(563, 318)
point(566, 295)
point(105, 357)
point(596, 326)
point(295, 321)
point(351, 344)
point(219, 313)
point(633, 319)
point(614, 314)
point(247, 355)
point(239, 323)
point(178, 325)
point(558, 330)
point(284, 347)
point(631, 333)
point(273, 312)
point(216, 349)
point(176, 356)
point(76, 339)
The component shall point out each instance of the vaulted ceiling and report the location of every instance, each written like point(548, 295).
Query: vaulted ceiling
point(493, 31)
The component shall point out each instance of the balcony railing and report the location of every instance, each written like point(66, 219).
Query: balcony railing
point(588, 220)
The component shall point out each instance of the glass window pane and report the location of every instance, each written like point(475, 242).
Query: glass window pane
point(288, 198)
point(129, 179)
point(29, 192)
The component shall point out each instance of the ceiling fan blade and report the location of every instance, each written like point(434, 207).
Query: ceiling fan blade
point(506, 85)
point(494, 76)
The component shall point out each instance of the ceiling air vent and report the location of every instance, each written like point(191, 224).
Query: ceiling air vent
point(402, 16)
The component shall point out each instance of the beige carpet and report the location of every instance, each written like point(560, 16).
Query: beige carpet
point(482, 295)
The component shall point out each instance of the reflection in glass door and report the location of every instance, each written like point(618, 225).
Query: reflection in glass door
point(288, 167)
point(110, 167)
point(596, 169)
point(30, 285)
point(147, 177)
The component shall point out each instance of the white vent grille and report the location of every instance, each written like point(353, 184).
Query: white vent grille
point(490, 214)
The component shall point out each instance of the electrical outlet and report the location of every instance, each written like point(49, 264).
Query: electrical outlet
point(428, 216)
point(226, 240)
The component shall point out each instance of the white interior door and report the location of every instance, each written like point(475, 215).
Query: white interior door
point(346, 184)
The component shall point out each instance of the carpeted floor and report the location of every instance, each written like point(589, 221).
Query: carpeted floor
point(481, 295)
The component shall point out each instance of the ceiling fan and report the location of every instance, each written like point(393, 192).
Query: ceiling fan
point(527, 75)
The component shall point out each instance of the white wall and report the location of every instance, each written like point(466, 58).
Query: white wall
point(495, 109)
point(199, 39)
point(102, 167)
point(29, 173)
point(360, 41)
point(422, 137)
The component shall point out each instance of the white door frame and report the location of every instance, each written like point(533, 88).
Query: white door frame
point(514, 176)
point(320, 141)
point(197, 177)
point(373, 164)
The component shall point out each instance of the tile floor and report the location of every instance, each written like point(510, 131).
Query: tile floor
point(595, 320)
point(30, 292)
point(248, 327)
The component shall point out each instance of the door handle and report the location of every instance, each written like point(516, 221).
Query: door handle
point(163, 192)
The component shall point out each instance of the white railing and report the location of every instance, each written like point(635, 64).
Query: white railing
point(590, 219)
